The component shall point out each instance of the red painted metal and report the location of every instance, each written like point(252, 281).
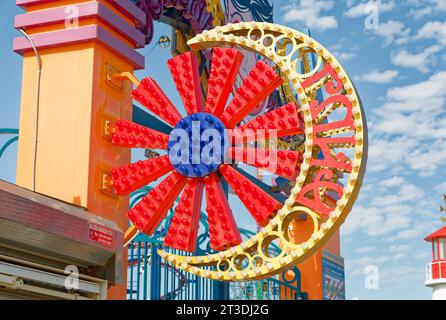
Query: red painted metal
point(223, 73)
point(149, 212)
point(185, 74)
point(133, 176)
point(439, 270)
point(223, 230)
point(131, 135)
point(285, 121)
point(183, 229)
point(281, 162)
point(260, 83)
point(150, 95)
point(440, 233)
point(258, 202)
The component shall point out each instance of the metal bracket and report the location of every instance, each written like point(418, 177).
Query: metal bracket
point(122, 76)
point(112, 81)
point(107, 129)
point(106, 185)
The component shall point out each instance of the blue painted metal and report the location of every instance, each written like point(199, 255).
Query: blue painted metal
point(9, 131)
point(262, 185)
point(155, 272)
point(144, 118)
point(10, 141)
point(138, 270)
point(7, 144)
point(131, 246)
point(146, 263)
point(189, 141)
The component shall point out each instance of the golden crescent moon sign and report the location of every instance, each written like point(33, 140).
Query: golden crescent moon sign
point(327, 186)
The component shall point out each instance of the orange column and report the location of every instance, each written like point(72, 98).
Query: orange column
point(81, 44)
point(311, 268)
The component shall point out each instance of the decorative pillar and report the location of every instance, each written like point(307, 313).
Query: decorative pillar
point(82, 45)
point(311, 269)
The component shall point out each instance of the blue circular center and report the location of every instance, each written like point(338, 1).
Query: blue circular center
point(197, 145)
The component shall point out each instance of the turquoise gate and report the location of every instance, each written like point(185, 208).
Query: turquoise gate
point(151, 278)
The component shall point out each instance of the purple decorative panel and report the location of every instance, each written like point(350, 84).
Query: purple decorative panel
point(79, 35)
point(84, 10)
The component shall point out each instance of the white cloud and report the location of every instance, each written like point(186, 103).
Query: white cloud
point(343, 51)
point(407, 152)
point(366, 249)
point(419, 61)
point(432, 90)
point(308, 13)
point(402, 248)
point(392, 182)
point(378, 77)
point(391, 201)
point(376, 222)
point(418, 231)
point(365, 261)
point(344, 56)
point(380, 157)
point(393, 31)
point(441, 187)
point(412, 124)
point(407, 137)
point(398, 275)
point(363, 9)
point(433, 30)
point(427, 8)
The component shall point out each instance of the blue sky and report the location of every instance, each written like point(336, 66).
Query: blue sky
point(399, 69)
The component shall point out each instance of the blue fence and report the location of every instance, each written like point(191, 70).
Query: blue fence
point(150, 277)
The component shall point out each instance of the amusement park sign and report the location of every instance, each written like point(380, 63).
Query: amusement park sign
point(205, 148)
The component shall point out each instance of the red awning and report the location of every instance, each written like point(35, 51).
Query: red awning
point(440, 233)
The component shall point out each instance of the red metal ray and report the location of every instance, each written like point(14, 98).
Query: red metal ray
point(223, 230)
point(133, 176)
point(132, 135)
point(148, 213)
point(183, 229)
point(224, 68)
point(185, 73)
point(260, 83)
point(258, 202)
point(281, 122)
point(281, 162)
point(150, 95)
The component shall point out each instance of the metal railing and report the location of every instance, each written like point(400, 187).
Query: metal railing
point(436, 272)
point(150, 277)
point(7, 131)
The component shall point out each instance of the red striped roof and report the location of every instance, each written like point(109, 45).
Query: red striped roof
point(440, 233)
